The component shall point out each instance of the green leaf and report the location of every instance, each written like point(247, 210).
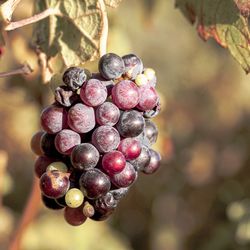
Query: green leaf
point(112, 3)
point(223, 21)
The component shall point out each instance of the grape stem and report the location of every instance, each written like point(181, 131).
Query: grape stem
point(104, 32)
point(30, 212)
point(23, 70)
point(3, 166)
point(7, 9)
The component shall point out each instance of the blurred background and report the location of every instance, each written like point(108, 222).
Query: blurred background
point(200, 198)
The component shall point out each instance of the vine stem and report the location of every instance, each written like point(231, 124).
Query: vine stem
point(30, 212)
point(105, 28)
point(7, 9)
point(23, 70)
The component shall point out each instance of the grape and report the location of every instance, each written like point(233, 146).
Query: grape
point(148, 98)
point(126, 177)
point(53, 119)
point(60, 166)
point(149, 73)
point(48, 145)
point(81, 118)
point(131, 123)
point(133, 66)
point(74, 198)
point(94, 183)
point(113, 162)
point(154, 112)
point(141, 80)
point(66, 140)
point(119, 193)
point(84, 156)
point(65, 96)
point(88, 209)
point(35, 143)
point(107, 114)
point(109, 84)
point(142, 160)
point(111, 66)
point(93, 93)
point(154, 163)
point(75, 77)
point(51, 203)
point(130, 147)
point(74, 216)
point(41, 164)
point(105, 138)
point(125, 95)
point(54, 184)
point(151, 131)
point(61, 201)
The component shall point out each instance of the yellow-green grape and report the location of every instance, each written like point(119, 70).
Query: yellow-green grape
point(149, 73)
point(141, 80)
point(88, 209)
point(58, 165)
point(74, 198)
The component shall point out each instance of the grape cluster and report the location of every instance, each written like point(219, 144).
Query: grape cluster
point(96, 137)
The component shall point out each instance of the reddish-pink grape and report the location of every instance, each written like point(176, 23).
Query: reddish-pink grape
point(107, 114)
point(93, 93)
point(66, 140)
point(53, 119)
point(81, 118)
point(74, 216)
point(125, 95)
point(113, 162)
point(148, 98)
point(130, 147)
point(35, 143)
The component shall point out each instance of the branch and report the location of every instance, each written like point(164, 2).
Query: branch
point(33, 19)
point(7, 9)
point(104, 32)
point(24, 70)
point(3, 166)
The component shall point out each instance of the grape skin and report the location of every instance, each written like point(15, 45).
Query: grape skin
point(151, 131)
point(130, 147)
point(74, 216)
point(50, 203)
point(148, 98)
point(41, 164)
point(65, 96)
point(142, 160)
point(74, 198)
point(133, 66)
point(154, 164)
point(47, 144)
point(113, 162)
point(35, 143)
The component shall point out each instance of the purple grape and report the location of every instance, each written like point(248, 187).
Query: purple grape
point(133, 66)
point(53, 119)
point(35, 143)
point(113, 162)
point(54, 184)
point(84, 156)
point(142, 160)
point(65, 96)
point(51, 203)
point(93, 93)
point(81, 118)
point(111, 66)
point(107, 114)
point(130, 147)
point(41, 164)
point(126, 177)
point(74, 77)
point(74, 216)
point(66, 140)
point(154, 163)
point(48, 145)
point(131, 123)
point(148, 98)
point(151, 131)
point(109, 84)
point(125, 95)
point(94, 183)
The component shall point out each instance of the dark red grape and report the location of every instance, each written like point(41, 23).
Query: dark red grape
point(142, 160)
point(93, 93)
point(48, 145)
point(111, 66)
point(41, 164)
point(151, 131)
point(53, 119)
point(81, 118)
point(74, 216)
point(107, 114)
point(126, 177)
point(84, 156)
point(74, 77)
point(125, 95)
point(50, 203)
point(131, 123)
point(148, 98)
point(66, 140)
point(130, 147)
point(54, 184)
point(133, 66)
point(113, 162)
point(65, 96)
point(105, 138)
point(154, 163)
point(94, 183)
point(35, 143)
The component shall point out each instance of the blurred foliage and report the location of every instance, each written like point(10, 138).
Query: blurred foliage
point(200, 198)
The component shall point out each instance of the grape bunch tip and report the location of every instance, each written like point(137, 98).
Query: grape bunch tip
point(96, 137)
